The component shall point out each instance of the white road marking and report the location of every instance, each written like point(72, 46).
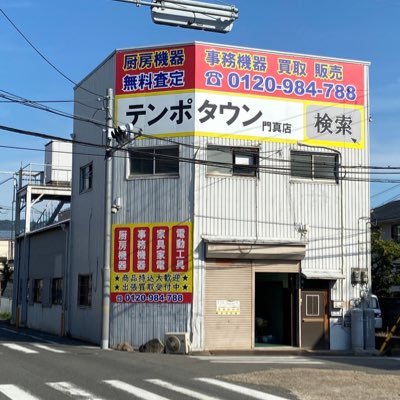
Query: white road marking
point(72, 390)
point(182, 390)
point(17, 347)
point(240, 389)
point(44, 347)
point(15, 393)
point(30, 336)
point(41, 339)
point(134, 390)
point(258, 360)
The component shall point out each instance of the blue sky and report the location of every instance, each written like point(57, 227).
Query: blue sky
point(77, 35)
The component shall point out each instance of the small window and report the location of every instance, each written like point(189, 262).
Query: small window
point(154, 161)
point(85, 290)
point(37, 290)
point(86, 178)
point(232, 161)
point(312, 305)
point(314, 165)
point(396, 233)
point(56, 291)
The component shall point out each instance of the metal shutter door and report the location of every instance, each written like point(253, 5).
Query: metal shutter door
point(227, 280)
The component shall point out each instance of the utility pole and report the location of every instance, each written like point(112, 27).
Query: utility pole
point(105, 328)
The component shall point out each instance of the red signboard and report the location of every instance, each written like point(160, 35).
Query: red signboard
point(257, 72)
point(141, 249)
point(245, 71)
point(155, 70)
point(160, 248)
point(238, 93)
point(180, 248)
point(162, 270)
point(122, 246)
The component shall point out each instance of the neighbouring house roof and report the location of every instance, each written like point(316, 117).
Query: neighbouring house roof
point(387, 213)
point(6, 235)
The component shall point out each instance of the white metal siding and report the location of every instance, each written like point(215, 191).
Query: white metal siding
point(138, 323)
point(147, 200)
point(272, 206)
point(87, 209)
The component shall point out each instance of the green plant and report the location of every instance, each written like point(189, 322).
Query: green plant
point(5, 316)
point(383, 253)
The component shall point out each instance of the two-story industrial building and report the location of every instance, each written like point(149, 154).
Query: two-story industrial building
point(238, 210)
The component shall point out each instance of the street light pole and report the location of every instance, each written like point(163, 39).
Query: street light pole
point(105, 328)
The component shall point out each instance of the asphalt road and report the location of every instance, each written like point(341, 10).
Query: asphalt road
point(39, 366)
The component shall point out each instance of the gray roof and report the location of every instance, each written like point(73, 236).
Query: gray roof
point(5, 235)
point(387, 212)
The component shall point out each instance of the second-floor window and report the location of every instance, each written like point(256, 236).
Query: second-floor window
point(232, 161)
point(144, 161)
point(314, 166)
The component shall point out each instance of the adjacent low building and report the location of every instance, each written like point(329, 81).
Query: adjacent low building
point(6, 269)
point(43, 196)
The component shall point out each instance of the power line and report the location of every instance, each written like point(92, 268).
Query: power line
point(278, 169)
point(33, 104)
point(50, 101)
point(43, 56)
point(384, 191)
point(47, 136)
point(144, 152)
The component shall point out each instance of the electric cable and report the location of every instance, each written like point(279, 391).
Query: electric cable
point(43, 56)
point(51, 101)
point(259, 167)
point(51, 110)
point(137, 149)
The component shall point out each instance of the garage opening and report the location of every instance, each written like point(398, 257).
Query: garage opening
point(276, 309)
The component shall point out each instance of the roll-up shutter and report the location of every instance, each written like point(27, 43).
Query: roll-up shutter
point(228, 305)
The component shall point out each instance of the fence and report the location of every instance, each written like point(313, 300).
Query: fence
point(5, 305)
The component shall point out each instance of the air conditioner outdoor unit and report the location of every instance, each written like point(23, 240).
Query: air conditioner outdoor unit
point(177, 342)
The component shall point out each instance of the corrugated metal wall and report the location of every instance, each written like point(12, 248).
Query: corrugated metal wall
point(147, 200)
point(87, 209)
point(138, 323)
point(43, 255)
point(275, 206)
point(272, 206)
